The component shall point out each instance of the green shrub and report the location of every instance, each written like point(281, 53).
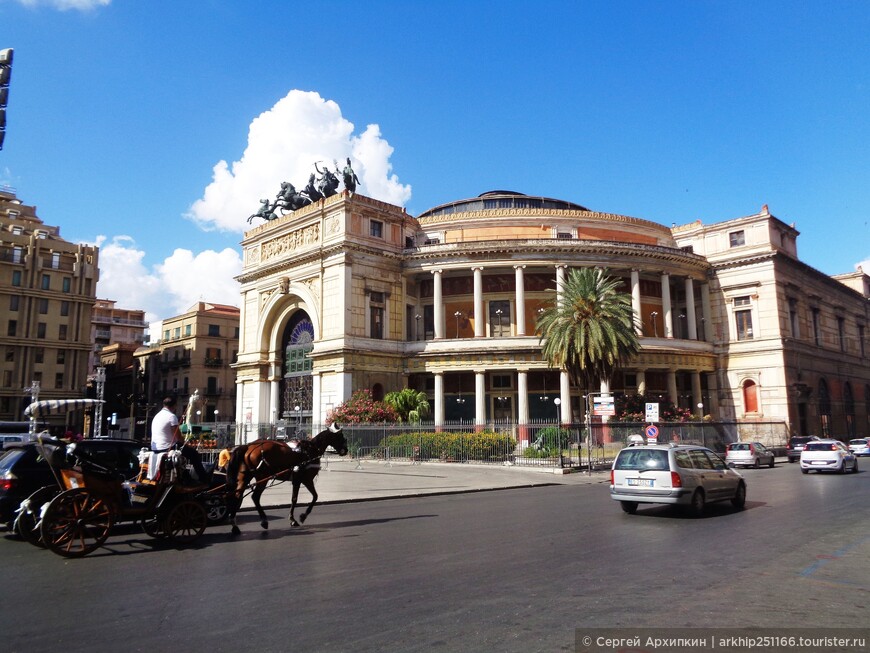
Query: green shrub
point(449, 445)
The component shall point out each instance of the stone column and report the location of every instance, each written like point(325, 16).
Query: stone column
point(635, 301)
point(641, 382)
point(666, 305)
point(690, 309)
point(439, 400)
point(438, 302)
point(479, 317)
point(696, 394)
point(318, 415)
point(560, 281)
point(523, 405)
point(480, 398)
point(519, 282)
point(565, 396)
point(672, 387)
point(275, 393)
point(706, 324)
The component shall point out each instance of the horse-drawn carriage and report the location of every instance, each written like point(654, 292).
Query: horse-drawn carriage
point(75, 517)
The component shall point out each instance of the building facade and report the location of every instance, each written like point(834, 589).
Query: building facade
point(193, 355)
point(113, 325)
point(352, 293)
point(47, 293)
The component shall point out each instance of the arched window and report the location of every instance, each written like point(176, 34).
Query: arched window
point(377, 392)
point(750, 396)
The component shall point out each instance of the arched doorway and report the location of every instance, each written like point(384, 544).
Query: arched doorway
point(296, 387)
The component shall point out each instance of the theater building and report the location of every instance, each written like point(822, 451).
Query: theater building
point(352, 293)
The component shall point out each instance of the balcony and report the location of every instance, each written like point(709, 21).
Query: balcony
point(214, 362)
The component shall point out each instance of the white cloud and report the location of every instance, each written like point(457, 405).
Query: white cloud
point(283, 145)
point(64, 5)
point(168, 288)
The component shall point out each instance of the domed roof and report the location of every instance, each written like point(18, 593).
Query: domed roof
point(500, 199)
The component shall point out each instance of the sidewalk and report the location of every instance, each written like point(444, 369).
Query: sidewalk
point(342, 481)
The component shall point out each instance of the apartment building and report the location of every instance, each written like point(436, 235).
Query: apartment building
point(47, 294)
point(194, 353)
point(113, 325)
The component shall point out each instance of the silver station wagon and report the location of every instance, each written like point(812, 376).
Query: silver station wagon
point(684, 475)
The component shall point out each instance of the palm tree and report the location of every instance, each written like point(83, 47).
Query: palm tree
point(590, 330)
point(410, 404)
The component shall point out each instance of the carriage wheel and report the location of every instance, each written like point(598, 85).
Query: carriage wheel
point(151, 525)
point(75, 523)
point(27, 522)
point(185, 522)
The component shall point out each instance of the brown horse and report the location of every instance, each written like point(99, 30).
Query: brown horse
point(260, 462)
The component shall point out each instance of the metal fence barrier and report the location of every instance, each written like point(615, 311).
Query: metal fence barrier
point(539, 445)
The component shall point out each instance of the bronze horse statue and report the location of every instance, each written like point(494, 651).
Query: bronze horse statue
point(257, 463)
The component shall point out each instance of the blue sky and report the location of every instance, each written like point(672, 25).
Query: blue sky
point(154, 128)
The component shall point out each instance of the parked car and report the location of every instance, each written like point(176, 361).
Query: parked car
point(828, 455)
point(748, 454)
point(683, 475)
point(796, 445)
point(11, 439)
point(860, 446)
point(23, 470)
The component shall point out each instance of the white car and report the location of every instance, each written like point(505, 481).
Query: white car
point(828, 455)
point(748, 454)
point(860, 446)
point(683, 475)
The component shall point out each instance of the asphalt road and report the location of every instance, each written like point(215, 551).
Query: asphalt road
point(511, 570)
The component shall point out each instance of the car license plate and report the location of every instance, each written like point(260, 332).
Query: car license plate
point(640, 482)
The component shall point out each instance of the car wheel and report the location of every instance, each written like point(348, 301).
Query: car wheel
point(771, 462)
point(739, 498)
point(696, 508)
point(855, 468)
point(628, 506)
point(842, 469)
point(756, 463)
point(792, 460)
point(804, 471)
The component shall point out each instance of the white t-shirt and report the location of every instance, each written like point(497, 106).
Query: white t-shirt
point(163, 430)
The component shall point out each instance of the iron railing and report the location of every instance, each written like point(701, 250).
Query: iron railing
point(540, 444)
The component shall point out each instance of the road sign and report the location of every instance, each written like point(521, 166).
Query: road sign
point(603, 406)
point(652, 433)
point(652, 412)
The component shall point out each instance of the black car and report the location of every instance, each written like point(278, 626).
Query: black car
point(23, 469)
point(796, 445)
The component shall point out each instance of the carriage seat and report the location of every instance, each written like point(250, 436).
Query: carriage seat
point(166, 466)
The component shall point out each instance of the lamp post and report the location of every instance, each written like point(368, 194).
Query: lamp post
point(457, 315)
point(558, 402)
point(498, 313)
point(653, 317)
point(417, 326)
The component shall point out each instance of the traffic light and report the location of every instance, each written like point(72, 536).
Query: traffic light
point(5, 76)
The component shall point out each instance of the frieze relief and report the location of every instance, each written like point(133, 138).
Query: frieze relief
point(291, 242)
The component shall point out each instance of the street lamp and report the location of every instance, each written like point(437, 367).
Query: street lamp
point(216, 413)
point(558, 403)
point(653, 317)
point(457, 315)
point(498, 313)
point(417, 326)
